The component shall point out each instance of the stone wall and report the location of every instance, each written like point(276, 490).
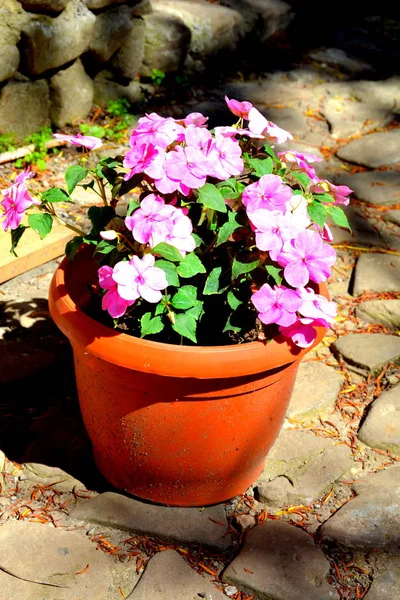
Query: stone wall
point(60, 57)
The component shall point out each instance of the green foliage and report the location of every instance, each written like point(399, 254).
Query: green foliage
point(8, 142)
point(42, 223)
point(38, 156)
point(157, 76)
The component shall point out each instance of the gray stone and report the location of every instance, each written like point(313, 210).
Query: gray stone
point(385, 586)
point(12, 20)
point(71, 95)
point(168, 576)
point(374, 150)
point(311, 481)
point(372, 518)
point(105, 90)
point(381, 428)
point(368, 351)
point(375, 187)
point(141, 8)
point(290, 119)
point(297, 445)
point(245, 522)
point(49, 43)
point(392, 216)
point(110, 32)
point(24, 107)
point(384, 312)
point(383, 94)
point(348, 117)
point(20, 361)
point(44, 474)
point(377, 273)
point(186, 525)
point(280, 562)
point(46, 6)
point(315, 391)
point(336, 57)
point(44, 553)
point(166, 44)
point(128, 59)
point(213, 27)
point(9, 61)
point(98, 4)
point(262, 18)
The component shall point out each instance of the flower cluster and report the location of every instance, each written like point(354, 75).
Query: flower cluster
point(223, 237)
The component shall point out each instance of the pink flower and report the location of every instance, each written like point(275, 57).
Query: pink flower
point(16, 200)
point(163, 182)
point(193, 119)
point(225, 158)
point(199, 139)
point(302, 332)
point(233, 131)
point(268, 192)
point(112, 301)
point(340, 193)
point(277, 305)
point(306, 257)
point(240, 109)
point(316, 306)
point(139, 158)
point(258, 124)
point(87, 141)
point(179, 234)
point(272, 230)
point(186, 165)
point(108, 234)
point(140, 278)
point(151, 219)
point(27, 174)
point(300, 160)
point(156, 130)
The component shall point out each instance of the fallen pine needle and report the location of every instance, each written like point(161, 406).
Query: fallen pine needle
point(83, 571)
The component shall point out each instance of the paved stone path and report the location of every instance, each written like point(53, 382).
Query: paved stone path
point(322, 522)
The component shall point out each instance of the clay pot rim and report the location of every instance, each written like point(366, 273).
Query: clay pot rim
point(167, 359)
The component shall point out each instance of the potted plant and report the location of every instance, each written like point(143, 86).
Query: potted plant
point(189, 310)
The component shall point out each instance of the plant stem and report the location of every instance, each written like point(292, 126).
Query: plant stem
point(102, 190)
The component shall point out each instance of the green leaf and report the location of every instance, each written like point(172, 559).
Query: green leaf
point(150, 325)
point(269, 151)
point(302, 178)
point(41, 223)
point(185, 297)
point(170, 271)
point(317, 213)
point(338, 216)
point(105, 247)
point(56, 195)
point(16, 235)
point(73, 175)
point(100, 217)
point(161, 307)
point(197, 239)
point(133, 205)
point(228, 228)
point(230, 327)
point(185, 325)
point(324, 198)
point(240, 268)
point(167, 251)
point(230, 188)
point(213, 283)
point(73, 246)
point(196, 311)
point(275, 273)
point(233, 302)
point(211, 197)
point(261, 166)
point(95, 130)
point(190, 266)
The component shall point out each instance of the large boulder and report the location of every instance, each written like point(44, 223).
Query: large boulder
point(46, 6)
point(71, 95)
point(213, 27)
point(24, 107)
point(99, 4)
point(110, 32)
point(12, 20)
point(106, 90)
point(262, 18)
point(128, 59)
point(166, 43)
point(49, 43)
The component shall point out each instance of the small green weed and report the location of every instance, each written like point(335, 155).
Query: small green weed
point(157, 76)
point(118, 121)
point(37, 157)
point(8, 142)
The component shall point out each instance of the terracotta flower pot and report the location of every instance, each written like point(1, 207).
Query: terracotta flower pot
point(178, 425)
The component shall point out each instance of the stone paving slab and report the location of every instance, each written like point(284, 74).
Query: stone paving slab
point(206, 526)
point(315, 391)
point(372, 518)
point(66, 559)
point(347, 117)
point(22, 362)
point(374, 150)
point(381, 428)
point(376, 272)
point(380, 188)
point(281, 562)
point(392, 216)
point(385, 586)
point(384, 312)
point(368, 352)
point(168, 577)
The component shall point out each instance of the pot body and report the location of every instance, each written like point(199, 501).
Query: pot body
point(176, 425)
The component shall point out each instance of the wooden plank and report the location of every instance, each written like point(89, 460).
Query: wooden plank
point(31, 250)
